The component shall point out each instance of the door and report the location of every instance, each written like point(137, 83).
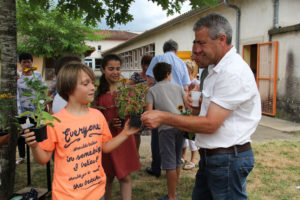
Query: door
point(266, 75)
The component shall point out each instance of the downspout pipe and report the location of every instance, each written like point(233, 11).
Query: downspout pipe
point(276, 13)
point(238, 20)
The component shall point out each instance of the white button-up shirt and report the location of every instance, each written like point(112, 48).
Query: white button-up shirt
point(231, 85)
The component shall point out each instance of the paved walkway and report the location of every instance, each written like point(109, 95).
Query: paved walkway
point(279, 124)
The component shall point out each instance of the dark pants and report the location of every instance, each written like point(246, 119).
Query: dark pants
point(156, 160)
point(223, 176)
point(21, 140)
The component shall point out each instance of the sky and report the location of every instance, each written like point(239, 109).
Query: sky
point(146, 15)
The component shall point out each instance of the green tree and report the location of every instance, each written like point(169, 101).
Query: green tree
point(91, 11)
point(48, 33)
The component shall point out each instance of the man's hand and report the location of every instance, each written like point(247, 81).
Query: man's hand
point(152, 119)
point(188, 103)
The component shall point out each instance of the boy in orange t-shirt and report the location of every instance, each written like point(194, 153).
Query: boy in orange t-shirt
point(78, 140)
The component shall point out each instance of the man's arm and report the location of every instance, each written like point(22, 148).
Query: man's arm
point(210, 123)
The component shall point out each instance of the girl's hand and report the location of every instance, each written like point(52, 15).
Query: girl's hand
point(30, 138)
point(116, 122)
point(131, 130)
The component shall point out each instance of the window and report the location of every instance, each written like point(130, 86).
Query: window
point(99, 48)
point(88, 62)
point(98, 63)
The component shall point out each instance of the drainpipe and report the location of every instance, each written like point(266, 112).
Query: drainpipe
point(238, 19)
point(276, 11)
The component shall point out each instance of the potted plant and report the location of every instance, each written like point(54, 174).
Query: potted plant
point(5, 108)
point(186, 112)
point(38, 97)
point(131, 101)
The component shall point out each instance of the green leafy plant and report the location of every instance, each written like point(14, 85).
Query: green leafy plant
point(186, 112)
point(38, 98)
point(131, 99)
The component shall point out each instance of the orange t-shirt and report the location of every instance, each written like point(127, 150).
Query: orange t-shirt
point(77, 141)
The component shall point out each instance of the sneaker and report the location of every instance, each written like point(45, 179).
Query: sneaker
point(166, 198)
point(20, 161)
point(149, 171)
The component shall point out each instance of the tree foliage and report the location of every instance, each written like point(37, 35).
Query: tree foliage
point(48, 33)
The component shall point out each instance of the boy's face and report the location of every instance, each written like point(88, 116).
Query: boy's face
point(112, 71)
point(84, 90)
point(27, 63)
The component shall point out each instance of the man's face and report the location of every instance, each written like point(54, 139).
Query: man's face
point(205, 50)
point(26, 64)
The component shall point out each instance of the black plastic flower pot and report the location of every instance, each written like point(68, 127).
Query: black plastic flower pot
point(190, 136)
point(40, 133)
point(22, 120)
point(135, 121)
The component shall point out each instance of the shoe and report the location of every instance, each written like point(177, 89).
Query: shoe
point(20, 161)
point(166, 198)
point(149, 171)
point(189, 165)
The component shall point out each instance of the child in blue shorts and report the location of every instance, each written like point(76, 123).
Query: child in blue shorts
point(166, 96)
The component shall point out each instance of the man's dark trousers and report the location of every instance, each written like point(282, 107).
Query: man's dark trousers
point(156, 160)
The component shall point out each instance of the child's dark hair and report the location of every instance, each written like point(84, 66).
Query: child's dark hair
point(161, 70)
point(146, 59)
point(103, 84)
point(66, 80)
point(25, 56)
point(63, 60)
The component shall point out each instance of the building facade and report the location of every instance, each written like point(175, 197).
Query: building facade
point(268, 41)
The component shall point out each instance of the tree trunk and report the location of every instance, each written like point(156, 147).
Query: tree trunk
point(8, 42)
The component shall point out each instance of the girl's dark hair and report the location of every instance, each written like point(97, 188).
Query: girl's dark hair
point(103, 84)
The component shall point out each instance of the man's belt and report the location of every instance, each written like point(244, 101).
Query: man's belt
point(229, 150)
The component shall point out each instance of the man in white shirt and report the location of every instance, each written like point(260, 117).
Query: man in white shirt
point(230, 112)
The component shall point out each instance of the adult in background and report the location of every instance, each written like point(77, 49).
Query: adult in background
point(230, 112)
point(179, 76)
point(140, 77)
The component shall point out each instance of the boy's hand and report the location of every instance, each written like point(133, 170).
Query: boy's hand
point(30, 138)
point(131, 130)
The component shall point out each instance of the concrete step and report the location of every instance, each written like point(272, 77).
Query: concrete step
point(279, 124)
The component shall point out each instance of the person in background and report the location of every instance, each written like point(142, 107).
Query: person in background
point(166, 96)
point(23, 102)
point(58, 102)
point(179, 76)
point(188, 165)
point(123, 160)
point(140, 77)
point(78, 140)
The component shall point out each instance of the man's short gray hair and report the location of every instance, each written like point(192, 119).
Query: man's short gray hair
point(170, 45)
point(217, 25)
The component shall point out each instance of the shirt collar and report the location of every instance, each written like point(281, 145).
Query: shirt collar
point(224, 60)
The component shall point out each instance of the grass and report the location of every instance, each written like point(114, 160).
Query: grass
point(275, 176)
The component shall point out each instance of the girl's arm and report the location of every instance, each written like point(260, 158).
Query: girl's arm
point(40, 156)
point(120, 138)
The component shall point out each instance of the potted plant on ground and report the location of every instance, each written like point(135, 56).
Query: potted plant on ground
point(38, 97)
point(131, 101)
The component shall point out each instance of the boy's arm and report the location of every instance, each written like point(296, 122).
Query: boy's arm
point(120, 138)
point(40, 156)
point(149, 106)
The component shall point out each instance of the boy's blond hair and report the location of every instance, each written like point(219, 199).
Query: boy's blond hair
point(66, 80)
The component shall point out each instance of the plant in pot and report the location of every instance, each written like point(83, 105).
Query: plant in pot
point(186, 112)
point(37, 95)
point(5, 108)
point(131, 101)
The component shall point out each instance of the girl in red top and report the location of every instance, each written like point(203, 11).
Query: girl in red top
point(123, 160)
point(78, 140)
